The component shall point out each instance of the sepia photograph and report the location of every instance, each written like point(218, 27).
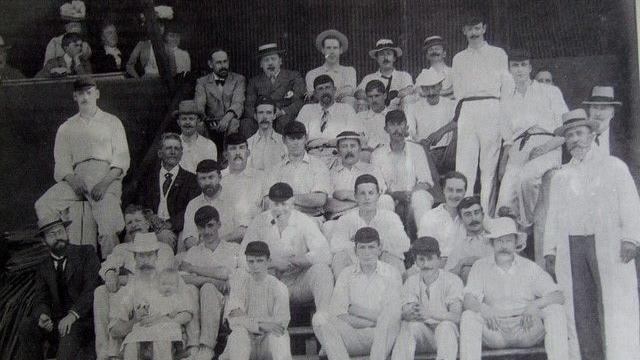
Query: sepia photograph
point(319, 179)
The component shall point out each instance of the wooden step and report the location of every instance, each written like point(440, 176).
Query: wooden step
point(485, 354)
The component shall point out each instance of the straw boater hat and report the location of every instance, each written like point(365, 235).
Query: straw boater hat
point(574, 118)
point(268, 49)
point(602, 95)
point(383, 44)
point(145, 242)
point(432, 41)
point(73, 11)
point(187, 107)
point(344, 42)
point(51, 220)
point(3, 45)
point(346, 135)
point(429, 77)
point(505, 226)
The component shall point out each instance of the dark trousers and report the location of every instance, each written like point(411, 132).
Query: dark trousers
point(76, 345)
point(587, 297)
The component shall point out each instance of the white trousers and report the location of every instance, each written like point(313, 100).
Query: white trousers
point(241, 345)
point(315, 283)
point(103, 302)
point(479, 144)
point(208, 306)
point(414, 335)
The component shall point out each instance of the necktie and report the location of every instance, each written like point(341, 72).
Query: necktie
point(73, 66)
point(388, 87)
point(220, 82)
point(167, 183)
point(598, 139)
point(324, 120)
point(59, 265)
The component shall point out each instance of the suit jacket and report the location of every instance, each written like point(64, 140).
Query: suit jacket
point(83, 68)
point(185, 187)
point(105, 63)
point(288, 92)
point(215, 101)
point(81, 274)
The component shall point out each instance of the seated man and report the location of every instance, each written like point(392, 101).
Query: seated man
point(306, 174)
point(234, 219)
point(258, 311)
point(362, 300)
point(510, 301)
point(374, 118)
point(195, 147)
point(468, 242)
point(394, 241)
point(208, 266)
point(266, 145)
point(326, 119)
point(544, 76)
point(64, 286)
point(431, 307)
point(301, 255)
point(167, 188)
point(72, 16)
point(91, 157)
point(72, 62)
point(405, 170)
point(344, 172)
point(108, 58)
point(116, 270)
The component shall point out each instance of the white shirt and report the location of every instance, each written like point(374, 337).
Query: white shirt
point(225, 254)
point(439, 224)
point(373, 123)
point(266, 150)
point(343, 178)
point(402, 171)
point(231, 216)
point(424, 119)
point(480, 72)
point(340, 117)
point(603, 140)
point(342, 76)
point(194, 152)
point(463, 245)
point(163, 211)
point(183, 61)
point(399, 80)
point(244, 189)
point(436, 297)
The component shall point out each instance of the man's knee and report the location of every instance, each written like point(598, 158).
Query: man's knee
point(412, 328)
point(210, 292)
point(553, 311)
point(470, 319)
point(240, 337)
point(446, 328)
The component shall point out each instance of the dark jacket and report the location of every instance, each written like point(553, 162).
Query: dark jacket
point(287, 92)
point(105, 63)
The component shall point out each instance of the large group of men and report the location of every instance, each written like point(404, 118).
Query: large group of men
point(356, 198)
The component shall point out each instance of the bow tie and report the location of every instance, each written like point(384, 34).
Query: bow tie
point(220, 82)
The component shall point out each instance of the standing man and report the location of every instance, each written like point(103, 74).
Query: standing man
point(590, 241)
point(285, 87)
point(91, 157)
point(530, 113)
point(373, 118)
point(63, 298)
point(602, 108)
point(433, 46)
point(195, 147)
point(479, 75)
point(266, 146)
point(332, 44)
point(510, 301)
point(220, 95)
point(398, 84)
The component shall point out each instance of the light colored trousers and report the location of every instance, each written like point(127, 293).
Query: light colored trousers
point(315, 283)
point(479, 144)
point(242, 345)
point(442, 338)
point(520, 185)
point(552, 328)
point(208, 304)
point(103, 301)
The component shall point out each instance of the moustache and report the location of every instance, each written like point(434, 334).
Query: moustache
point(146, 267)
point(238, 157)
point(434, 53)
point(265, 122)
point(397, 133)
point(350, 155)
point(475, 223)
point(211, 190)
point(326, 97)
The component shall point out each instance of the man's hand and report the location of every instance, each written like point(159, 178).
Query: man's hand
point(64, 326)
point(98, 191)
point(530, 315)
point(550, 264)
point(537, 152)
point(76, 183)
point(408, 312)
point(271, 327)
point(224, 122)
point(111, 281)
point(190, 242)
point(628, 251)
point(140, 311)
point(44, 322)
point(490, 317)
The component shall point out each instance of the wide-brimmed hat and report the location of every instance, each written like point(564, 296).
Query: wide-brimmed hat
point(429, 77)
point(344, 42)
point(268, 49)
point(145, 242)
point(432, 41)
point(187, 107)
point(3, 45)
point(53, 219)
point(346, 135)
point(383, 44)
point(73, 11)
point(575, 118)
point(505, 226)
point(602, 95)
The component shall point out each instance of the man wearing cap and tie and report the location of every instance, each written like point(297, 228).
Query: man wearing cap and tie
point(266, 146)
point(326, 119)
point(285, 87)
point(510, 301)
point(398, 84)
point(430, 118)
point(300, 253)
point(479, 75)
point(590, 241)
point(332, 43)
point(220, 95)
point(433, 47)
point(91, 157)
point(306, 174)
point(7, 72)
point(529, 114)
point(195, 147)
point(63, 298)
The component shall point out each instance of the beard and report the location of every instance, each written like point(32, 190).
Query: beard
point(223, 73)
point(59, 246)
point(326, 99)
point(211, 190)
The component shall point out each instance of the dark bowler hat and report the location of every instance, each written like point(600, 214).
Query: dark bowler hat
point(280, 192)
point(295, 129)
point(257, 248)
point(268, 49)
point(366, 235)
point(187, 107)
point(432, 41)
point(426, 244)
point(207, 166)
point(83, 82)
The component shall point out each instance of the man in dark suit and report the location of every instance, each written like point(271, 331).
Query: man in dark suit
point(168, 188)
point(108, 57)
point(285, 87)
point(73, 62)
point(63, 300)
point(220, 95)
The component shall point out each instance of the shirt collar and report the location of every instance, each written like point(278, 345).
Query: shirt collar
point(393, 74)
point(481, 48)
point(358, 166)
point(512, 268)
point(173, 171)
point(380, 270)
point(305, 158)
